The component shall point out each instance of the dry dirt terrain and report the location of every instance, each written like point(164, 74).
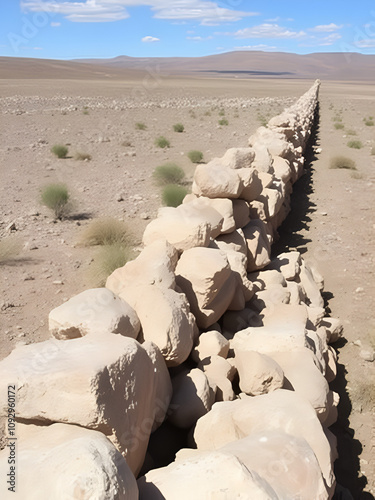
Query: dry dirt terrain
point(332, 222)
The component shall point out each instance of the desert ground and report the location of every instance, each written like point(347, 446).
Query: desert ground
point(332, 222)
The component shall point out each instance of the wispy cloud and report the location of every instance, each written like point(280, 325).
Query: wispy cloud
point(267, 30)
point(199, 38)
point(55, 25)
point(366, 43)
point(329, 40)
point(150, 39)
point(260, 46)
point(208, 13)
point(326, 28)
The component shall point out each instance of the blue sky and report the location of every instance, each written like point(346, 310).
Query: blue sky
point(67, 29)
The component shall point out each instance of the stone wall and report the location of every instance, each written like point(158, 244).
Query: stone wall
point(202, 340)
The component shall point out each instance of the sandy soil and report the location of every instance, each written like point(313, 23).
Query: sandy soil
point(332, 223)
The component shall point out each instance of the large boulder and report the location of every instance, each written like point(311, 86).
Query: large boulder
point(280, 410)
point(208, 475)
point(93, 311)
point(103, 382)
point(206, 278)
point(166, 320)
point(224, 206)
point(258, 373)
point(210, 343)
point(155, 265)
point(75, 463)
point(214, 180)
point(192, 398)
point(180, 227)
point(238, 158)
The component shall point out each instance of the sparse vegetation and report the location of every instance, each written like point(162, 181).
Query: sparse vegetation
point(173, 194)
point(355, 144)
point(107, 259)
point(59, 150)
point(339, 126)
point(195, 156)
point(337, 118)
point(82, 156)
point(369, 122)
point(178, 127)
point(162, 142)
point(356, 175)
point(207, 113)
point(350, 131)
point(168, 173)
point(105, 231)
point(222, 112)
point(56, 197)
point(9, 249)
point(192, 113)
point(140, 126)
point(342, 162)
point(85, 110)
point(223, 121)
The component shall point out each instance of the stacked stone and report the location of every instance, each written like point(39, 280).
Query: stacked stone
point(202, 333)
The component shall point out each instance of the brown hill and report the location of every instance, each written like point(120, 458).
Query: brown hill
point(249, 64)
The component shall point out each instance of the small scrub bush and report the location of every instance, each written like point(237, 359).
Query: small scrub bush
point(337, 118)
point(169, 173)
point(195, 156)
point(105, 231)
point(162, 142)
point(108, 259)
point(342, 162)
point(140, 126)
point(178, 127)
point(222, 112)
point(223, 121)
point(338, 126)
point(350, 131)
point(172, 195)
point(9, 249)
point(59, 150)
point(355, 144)
point(56, 197)
point(369, 123)
point(82, 156)
point(356, 175)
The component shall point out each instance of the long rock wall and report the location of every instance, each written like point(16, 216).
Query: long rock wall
point(202, 335)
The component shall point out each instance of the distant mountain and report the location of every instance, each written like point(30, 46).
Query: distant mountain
point(331, 65)
point(244, 64)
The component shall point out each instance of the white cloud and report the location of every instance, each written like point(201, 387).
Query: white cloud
point(37, 48)
point(199, 38)
point(326, 28)
point(205, 12)
point(55, 25)
point(365, 44)
point(330, 39)
point(260, 46)
point(150, 39)
point(267, 30)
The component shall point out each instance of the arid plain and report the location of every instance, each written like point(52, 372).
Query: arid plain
point(332, 222)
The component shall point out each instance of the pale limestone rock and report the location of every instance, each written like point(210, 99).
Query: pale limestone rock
point(258, 244)
point(75, 463)
point(282, 169)
point(312, 290)
point(263, 159)
point(258, 210)
point(155, 265)
point(224, 206)
point(238, 158)
point(252, 184)
point(206, 213)
point(269, 298)
point(210, 343)
point(258, 373)
point(280, 410)
point(241, 213)
point(304, 376)
point(204, 275)
point(334, 329)
point(286, 462)
point(163, 384)
point(234, 241)
point(266, 179)
point(266, 278)
point(167, 321)
point(93, 311)
point(207, 475)
point(103, 382)
point(220, 374)
point(181, 229)
point(288, 263)
point(297, 294)
point(192, 398)
point(214, 180)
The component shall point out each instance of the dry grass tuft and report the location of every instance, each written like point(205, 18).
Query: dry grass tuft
point(105, 231)
point(342, 162)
